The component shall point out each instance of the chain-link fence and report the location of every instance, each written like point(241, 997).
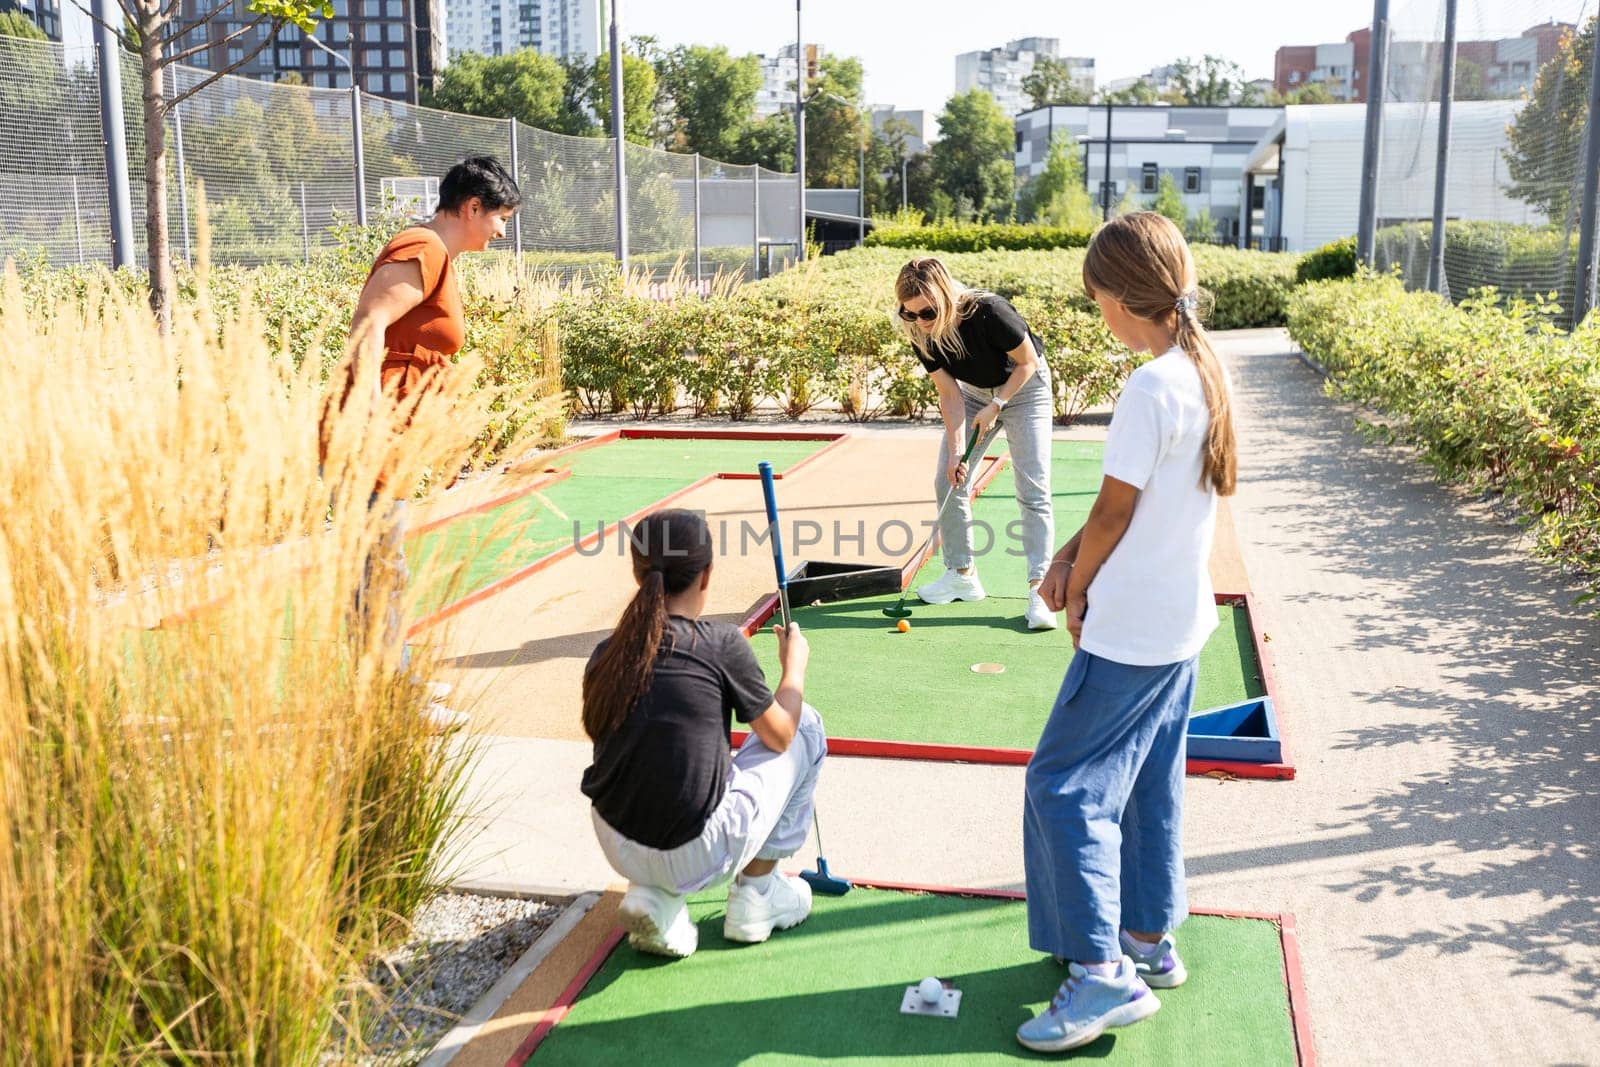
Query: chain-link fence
point(1515, 156)
point(278, 163)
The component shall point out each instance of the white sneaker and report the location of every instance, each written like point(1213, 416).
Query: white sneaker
point(1039, 615)
point(443, 720)
point(753, 914)
point(953, 586)
point(658, 922)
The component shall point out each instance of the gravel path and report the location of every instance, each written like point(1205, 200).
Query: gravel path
point(460, 946)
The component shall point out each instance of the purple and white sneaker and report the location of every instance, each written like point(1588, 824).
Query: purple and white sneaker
point(1086, 1006)
point(1158, 964)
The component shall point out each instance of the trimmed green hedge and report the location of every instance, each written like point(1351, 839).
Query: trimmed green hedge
point(1494, 394)
point(1520, 261)
point(1336, 259)
point(1251, 288)
point(960, 237)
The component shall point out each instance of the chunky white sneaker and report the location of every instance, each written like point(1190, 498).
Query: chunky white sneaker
point(1039, 615)
point(443, 720)
point(953, 586)
point(1086, 1006)
point(1159, 964)
point(754, 912)
point(658, 922)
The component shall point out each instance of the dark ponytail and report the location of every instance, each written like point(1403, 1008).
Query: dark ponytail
point(671, 550)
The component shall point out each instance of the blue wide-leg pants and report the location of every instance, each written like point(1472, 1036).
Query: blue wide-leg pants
point(1103, 820)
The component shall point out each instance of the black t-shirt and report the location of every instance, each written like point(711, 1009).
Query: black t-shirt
point(993, 329)
point(663, 772)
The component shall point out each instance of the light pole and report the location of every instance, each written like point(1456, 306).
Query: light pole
point(617, 134)
point(1105, 182)
point(355, 123)
point(800, 125)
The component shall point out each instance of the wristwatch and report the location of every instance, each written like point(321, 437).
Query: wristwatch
point(998, 401)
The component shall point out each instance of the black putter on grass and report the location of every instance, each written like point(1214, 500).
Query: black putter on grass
point(900, 611)
point(820, 880)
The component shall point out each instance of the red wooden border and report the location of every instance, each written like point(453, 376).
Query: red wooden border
point(1015, 757)
point(500, 586)
point(477, 597)
point(534, 486)
point(1294, 977)
point(563, 1005)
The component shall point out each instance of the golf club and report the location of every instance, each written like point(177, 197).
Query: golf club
point(900, 611)
point(820, 880)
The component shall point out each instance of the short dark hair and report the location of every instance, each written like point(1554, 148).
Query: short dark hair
point(482, 177)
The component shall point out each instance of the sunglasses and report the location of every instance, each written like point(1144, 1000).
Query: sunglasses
point(926, 314)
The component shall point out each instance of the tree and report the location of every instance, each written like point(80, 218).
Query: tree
point(1544, 156)
point(1057, 196)
point(710, 98)
point(972, 161)
point(768, 142)
point(1140, 92)
point(1470, 83)
point(638, 97)
point(1169, 202)
point(833, 123)
point(1314, 93)
point(576, 119)
point(1050, 83)
point(161, 29)
point(523, 85)
point(16, 24)
point(1211, 82)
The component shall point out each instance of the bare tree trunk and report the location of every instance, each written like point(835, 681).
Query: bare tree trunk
point(155, 165)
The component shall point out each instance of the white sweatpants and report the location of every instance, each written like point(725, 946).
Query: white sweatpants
point(764, 815)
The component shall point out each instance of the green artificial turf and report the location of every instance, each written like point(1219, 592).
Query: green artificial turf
point(871, 682)
point(830, 991)
point(607, 483)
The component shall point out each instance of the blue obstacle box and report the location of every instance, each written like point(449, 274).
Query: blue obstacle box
point(1246, 732)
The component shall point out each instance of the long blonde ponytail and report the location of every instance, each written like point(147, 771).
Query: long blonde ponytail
point(1142, 261)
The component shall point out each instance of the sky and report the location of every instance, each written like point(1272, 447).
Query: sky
point(908, 49)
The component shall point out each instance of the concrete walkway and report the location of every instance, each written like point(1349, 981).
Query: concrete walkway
point(1439, 847)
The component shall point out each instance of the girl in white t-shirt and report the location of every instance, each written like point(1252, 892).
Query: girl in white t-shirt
point(1103, 823)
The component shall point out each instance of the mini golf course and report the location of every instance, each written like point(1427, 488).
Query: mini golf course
point(609, 481)
point(830, 990)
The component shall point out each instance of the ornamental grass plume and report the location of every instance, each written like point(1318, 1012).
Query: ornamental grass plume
point(216, 800)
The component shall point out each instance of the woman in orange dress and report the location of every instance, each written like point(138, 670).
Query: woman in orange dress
point(411, 300)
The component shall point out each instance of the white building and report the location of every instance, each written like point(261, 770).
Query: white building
point(1303, 178)
point(999, 71)
point(1204, 149)
point(778, 79)
point(486, 27)
point(565, 29)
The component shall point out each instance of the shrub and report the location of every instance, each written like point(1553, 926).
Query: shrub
point(960, 237)
point(1336, 259)
point(1520, 261)
point(1492, 392)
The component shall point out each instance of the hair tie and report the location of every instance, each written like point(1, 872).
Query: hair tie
point(1187, 303)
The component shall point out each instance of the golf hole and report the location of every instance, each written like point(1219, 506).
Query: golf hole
point(988, 668)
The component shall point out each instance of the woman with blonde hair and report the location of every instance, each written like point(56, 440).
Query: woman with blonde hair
point(1103, 815)
point(989, 370)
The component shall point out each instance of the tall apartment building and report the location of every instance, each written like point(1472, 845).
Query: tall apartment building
point(395, 46)
point(1509, 65)
point(485, 27)
point(565, 29)
point(999, 71)
point(778, 76)
point(45, 14)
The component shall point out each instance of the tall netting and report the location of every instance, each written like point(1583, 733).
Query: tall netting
point(52, 170)
point(1514, 174)
point(278, 166)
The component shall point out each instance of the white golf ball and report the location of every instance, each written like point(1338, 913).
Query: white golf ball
point(930, 990)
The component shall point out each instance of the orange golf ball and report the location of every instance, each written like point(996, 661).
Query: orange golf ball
point(904, 625)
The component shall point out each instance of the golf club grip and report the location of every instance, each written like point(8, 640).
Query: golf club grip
point(765, 469)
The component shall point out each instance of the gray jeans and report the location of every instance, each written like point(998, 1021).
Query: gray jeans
point(1027, 420)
